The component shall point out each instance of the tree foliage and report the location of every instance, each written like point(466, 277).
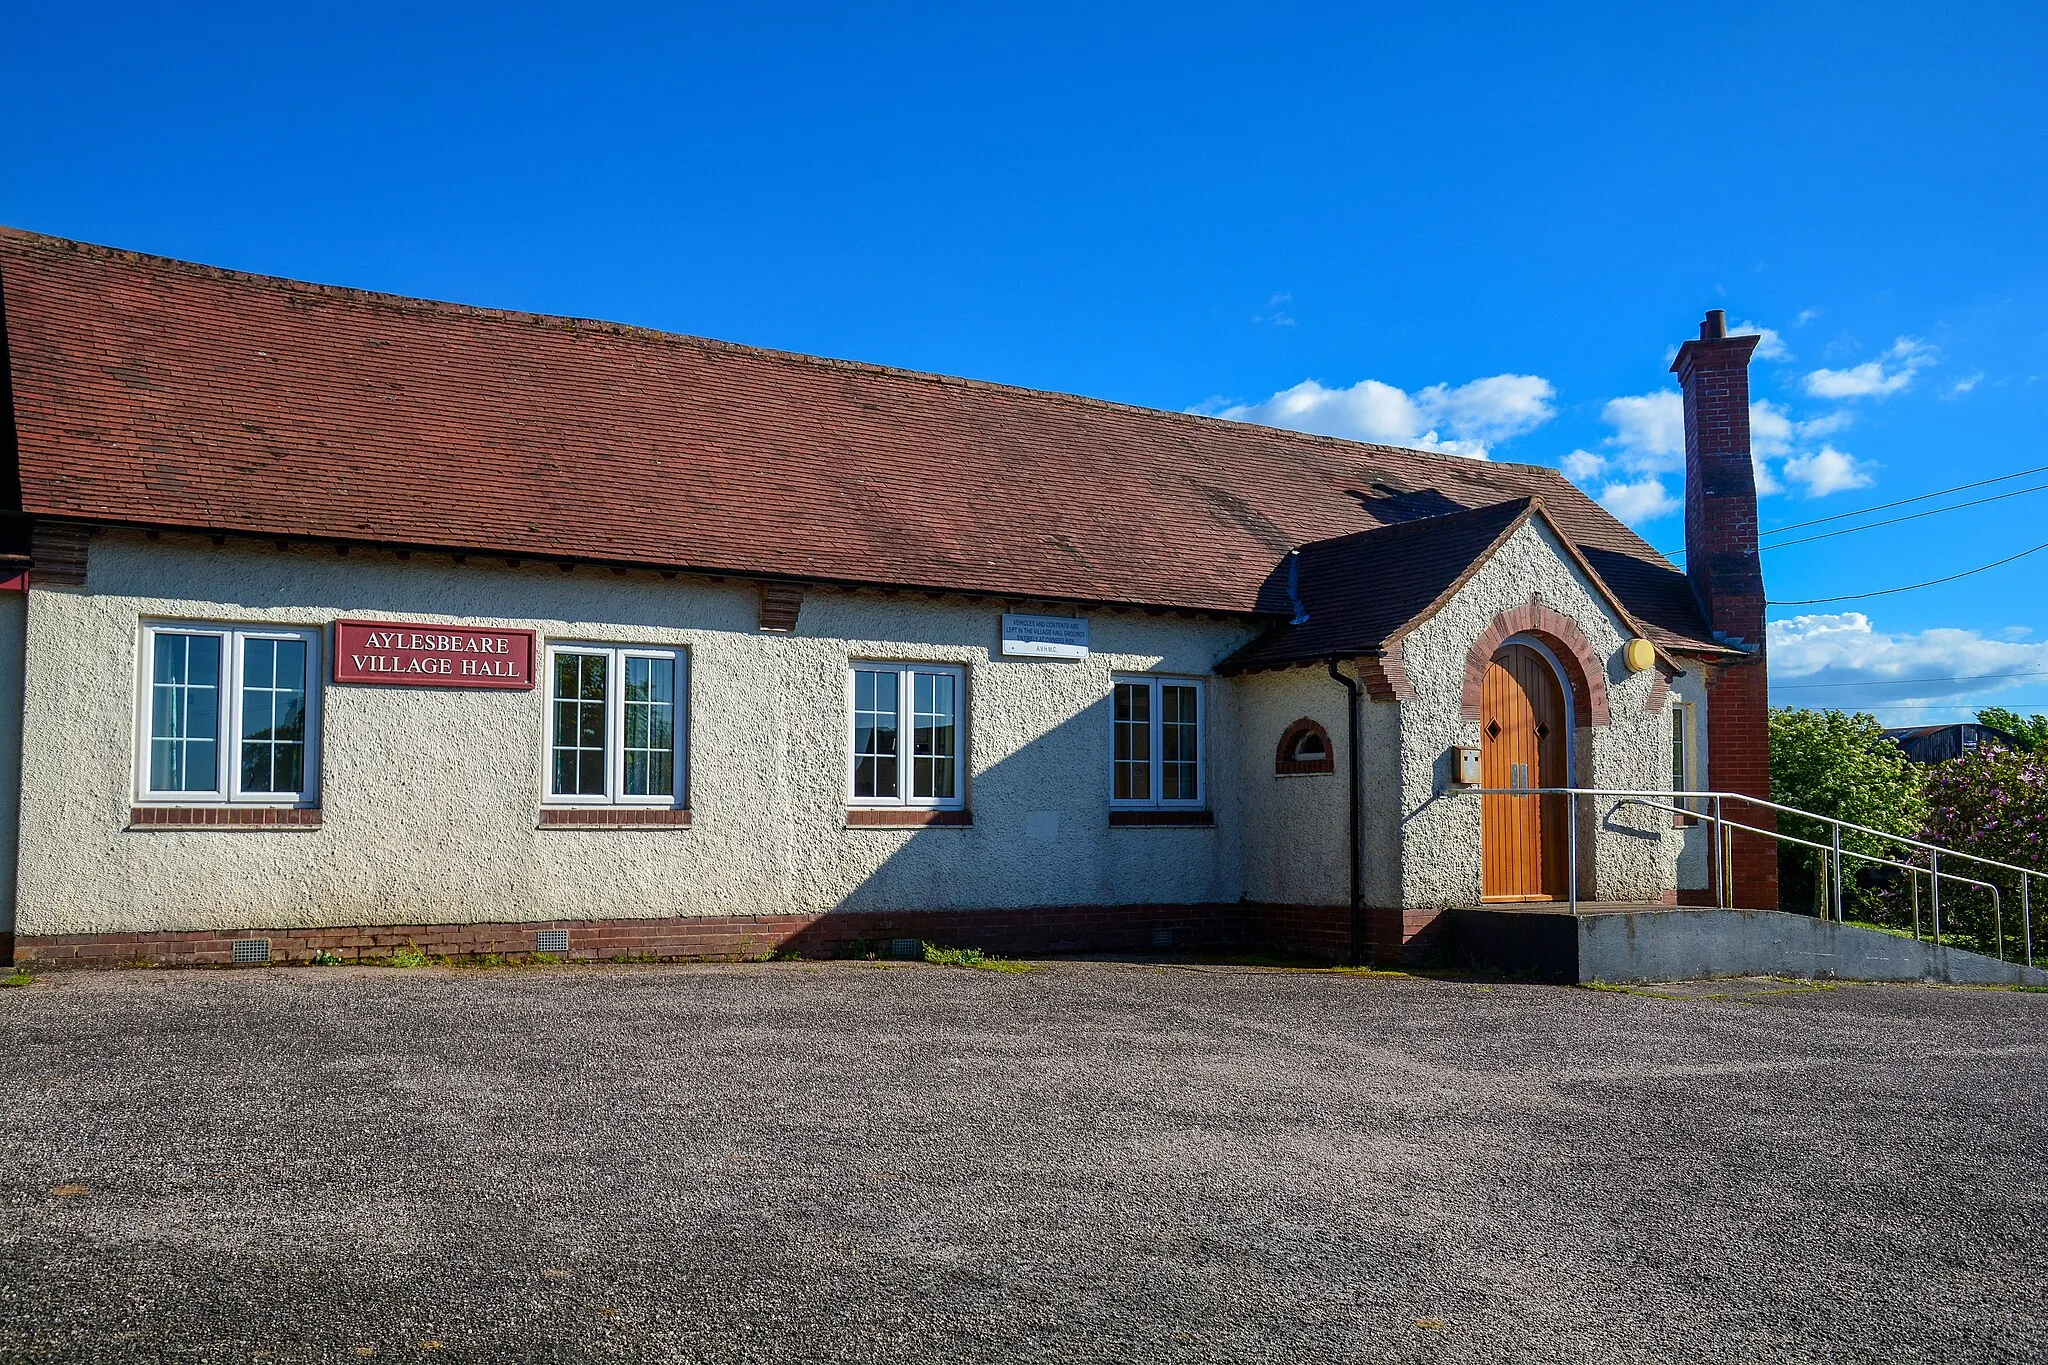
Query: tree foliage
point(1992, 802)
point(1841, 765)
point(2030, 731)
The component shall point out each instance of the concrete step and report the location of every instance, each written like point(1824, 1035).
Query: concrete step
point(1624, 943)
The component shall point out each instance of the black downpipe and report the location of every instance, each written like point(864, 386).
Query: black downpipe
point(1351, 761)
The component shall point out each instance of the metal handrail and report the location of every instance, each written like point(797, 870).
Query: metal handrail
point(1723, 845)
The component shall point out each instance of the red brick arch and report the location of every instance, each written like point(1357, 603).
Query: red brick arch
point(1285, 764)
point(1583, 671)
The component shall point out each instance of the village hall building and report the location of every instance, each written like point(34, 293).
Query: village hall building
point(337, 621)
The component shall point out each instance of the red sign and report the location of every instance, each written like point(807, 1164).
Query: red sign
point(431, 656)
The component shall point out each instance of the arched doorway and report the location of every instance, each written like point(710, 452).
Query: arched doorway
point(1525, 730)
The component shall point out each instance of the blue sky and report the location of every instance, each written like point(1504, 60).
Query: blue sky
point(1483, 227)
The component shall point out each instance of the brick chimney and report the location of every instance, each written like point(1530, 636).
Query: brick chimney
point(1727, 573)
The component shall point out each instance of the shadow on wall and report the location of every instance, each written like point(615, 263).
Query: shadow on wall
point(1041, 867)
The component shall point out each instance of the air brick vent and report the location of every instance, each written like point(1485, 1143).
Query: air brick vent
point(252, 950)
point(552, 941)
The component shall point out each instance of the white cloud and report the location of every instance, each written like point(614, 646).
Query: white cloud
point(1582, 466)
point(1493, 409)
point(1772, 347)
point(1649, 429)
point(1841, 660)
point(1640, 501)
point(1277, 313)
point(1770, 429)
point(1806, 315)
point(1959, 387)
point(1649, 443)
point(1773, 433)
point(1826, 471)
point(1466, 420)
point(1766, 482)
point(1890, 373)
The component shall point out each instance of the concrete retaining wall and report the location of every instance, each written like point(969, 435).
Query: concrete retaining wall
point(1679, 945)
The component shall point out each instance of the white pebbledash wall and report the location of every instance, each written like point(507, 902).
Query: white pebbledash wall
point(1420, 838)
point(430, 797)
point(1630, 853)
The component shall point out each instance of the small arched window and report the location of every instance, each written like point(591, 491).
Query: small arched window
point(1304, 748)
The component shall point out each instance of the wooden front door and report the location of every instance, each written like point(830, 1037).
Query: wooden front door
point(1522, 738)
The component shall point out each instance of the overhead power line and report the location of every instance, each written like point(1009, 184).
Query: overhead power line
point(1911, 587)
point(1920, 497)
point(1930, 705)
point(1903, 682)
point(1679, 553)
point(1910, 516)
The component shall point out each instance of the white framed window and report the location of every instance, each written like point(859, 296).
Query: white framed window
point(907, 735)
point(615, 725)
point(228, 714)
point(1685, 761)
point(1156, 743)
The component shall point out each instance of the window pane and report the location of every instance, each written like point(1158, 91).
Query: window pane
point(650, 727)
point(184, 712)
point(202, 710)
point(258, 662)
point(934, 738)
point(1179, 775)
point(291, 768)
point(204, 661)
point(256, 767)
point(1131, 743)
point(1678, 748)
point(273, 715)
point(875, 721)
point(579, 741)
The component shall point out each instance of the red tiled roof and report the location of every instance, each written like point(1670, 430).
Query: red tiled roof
point(1353, 594)
point(156, 392)
point(1359, 593)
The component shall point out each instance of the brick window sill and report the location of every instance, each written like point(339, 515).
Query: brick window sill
point(887, 817)
point(614, 817)
point(223, 817)
point(1161, 819)
point(1289, 767)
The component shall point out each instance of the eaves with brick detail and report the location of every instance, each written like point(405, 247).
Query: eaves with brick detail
point(155, 393)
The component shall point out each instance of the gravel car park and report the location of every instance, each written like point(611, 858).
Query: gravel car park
point(1089, 1161)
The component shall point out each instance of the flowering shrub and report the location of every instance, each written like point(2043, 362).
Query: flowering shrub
point(1993, 803)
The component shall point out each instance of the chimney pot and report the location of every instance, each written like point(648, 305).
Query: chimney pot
point(1716, 325)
